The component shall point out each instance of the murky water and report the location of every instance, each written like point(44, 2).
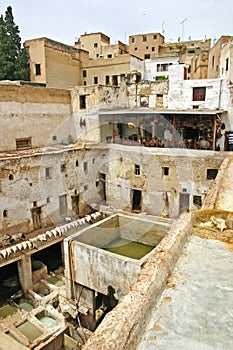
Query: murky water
point(25, 305)
point(55, 281)
point(9, 313)
point(134, 250)
point(48, 322)
point(29, 330)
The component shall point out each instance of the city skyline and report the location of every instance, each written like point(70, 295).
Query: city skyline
point(66, 21)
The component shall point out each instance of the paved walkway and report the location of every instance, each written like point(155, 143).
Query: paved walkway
point(195, 311)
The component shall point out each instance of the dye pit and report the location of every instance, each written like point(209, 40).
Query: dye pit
point(124, 247)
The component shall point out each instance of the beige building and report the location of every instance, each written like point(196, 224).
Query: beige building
point(146, 45)
point(54, 64)
point(214, 57)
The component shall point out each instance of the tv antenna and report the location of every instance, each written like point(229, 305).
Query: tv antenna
point(182, 24)
point(163, 31)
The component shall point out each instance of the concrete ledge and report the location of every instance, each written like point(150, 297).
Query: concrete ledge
point(123, 327)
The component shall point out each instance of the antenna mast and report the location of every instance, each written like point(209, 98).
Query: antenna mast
point(182, 24)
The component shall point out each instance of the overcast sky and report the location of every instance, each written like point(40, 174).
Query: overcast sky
point(66, 20)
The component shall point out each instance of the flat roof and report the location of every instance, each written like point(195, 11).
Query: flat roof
point(163, 111)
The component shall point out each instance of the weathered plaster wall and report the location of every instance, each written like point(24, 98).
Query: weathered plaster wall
point(34, 112)
point(187, 174)
point(25, 185)
point(150, 90)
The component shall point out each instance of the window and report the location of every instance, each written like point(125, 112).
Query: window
point(144, 38)
point(93, 160)
point(162, 67)
point(84, 73)
point(165, 170)
point(137, 169)
point(133, 40)
point(76, 163)
point(84, 83)
point(147, 56)
point(211, 174)
point(147, 47)
point(35, 204)
point(95, 44)
point(85, 167)
point(5, 213)
point(107, 79)
point(95, 80)
point(85, 187)
point(54, 137)
point(109, 55)
point(135, 49)
point(62, 167)
point(199, 93)
point(227, 64)
point(154, 37)
point(24, 143)
point(48, 200)
point(213, 59)
point(82, 101)
point(38, 69)
point(153, 48)
point(48, 173)
point(11, 177)
point(197, 201)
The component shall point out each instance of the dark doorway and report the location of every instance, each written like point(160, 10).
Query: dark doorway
point(75, 204)
point(9, 281)
point(51, 256)
point(137, 198)
point(184, 202)
point(101, 186)
point(36, 218)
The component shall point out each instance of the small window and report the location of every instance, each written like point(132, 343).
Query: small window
point(135, 49)
point(197, 201)
point(48, 200)
point(154, 37)
point(82, 101)
point(199, 93)
point(165, 171)
point(95, 80)
point(54, 137)
point(137, 169)
point(24, 143)
point(35, 204)
point(147, 56)
point(11, 177)
point(147, 47)
point(85, 187)
point(85, 168)
point(38, 69)
point(133, 40)
point(84, 73)
point(213, 59)
point(76, 163)
point(153, 48)
point(109, 55)
point(93, 160)
point(227, 64)
point(107, 79)
point(211, 174)
point(95, 44)
point(62, 167)
point(144, 38)
point(48, 173)
point(5, 213)
point(84, 83)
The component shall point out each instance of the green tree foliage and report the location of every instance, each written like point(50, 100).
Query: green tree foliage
point(14, 59)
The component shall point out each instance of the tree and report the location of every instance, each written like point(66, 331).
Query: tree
point(14, 59)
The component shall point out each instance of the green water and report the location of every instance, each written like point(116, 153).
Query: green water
point(48, 322)
point(9, 313)
point(29, 330)
point(55, 281)
point(25, 305)
point(134, 250)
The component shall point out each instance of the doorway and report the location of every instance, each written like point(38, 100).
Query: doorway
point(63, 205)
point(36, 218)
point(184, 202)
point(137, 199)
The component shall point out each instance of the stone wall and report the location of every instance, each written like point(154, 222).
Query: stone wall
point(123, 327)
point(34, 113)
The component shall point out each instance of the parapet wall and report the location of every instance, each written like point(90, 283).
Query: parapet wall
point(123, 327)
